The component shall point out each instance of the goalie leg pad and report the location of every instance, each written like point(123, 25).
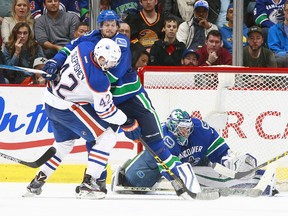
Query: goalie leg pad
point(188, 177)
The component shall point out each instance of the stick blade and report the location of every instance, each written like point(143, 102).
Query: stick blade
point(45, 157)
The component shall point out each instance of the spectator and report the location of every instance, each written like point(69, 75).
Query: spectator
point(221, 19)
point(189, 58)
point(20, 13)
point(81, 29)
point(183, 9)
point(267, 13)
point(126, 7)
point(215, 7)
point(21, 50)
point(278, 39)
point(255, 55)
point(38, 7)
point(54, 29)
point(147, 25)
point(140, 58)
point(227, 30)
point(213, 53)
point(2, 61)
point(84, 10)
point(194, 32)
point(167, 51)
point(36, 78)
point(5, 9)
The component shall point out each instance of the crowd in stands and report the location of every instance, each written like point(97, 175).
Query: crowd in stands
point(162, 32)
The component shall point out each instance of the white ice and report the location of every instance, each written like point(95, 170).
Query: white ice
point(58, 199)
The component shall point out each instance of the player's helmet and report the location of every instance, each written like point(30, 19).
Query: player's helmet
point(108, 15)
point(110, 50)
point(180, 124)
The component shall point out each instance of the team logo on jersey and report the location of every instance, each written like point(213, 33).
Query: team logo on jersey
point(121, 42)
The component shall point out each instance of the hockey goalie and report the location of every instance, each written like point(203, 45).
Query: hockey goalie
point(195, 143)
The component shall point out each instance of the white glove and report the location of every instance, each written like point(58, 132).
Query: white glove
point(239, 163)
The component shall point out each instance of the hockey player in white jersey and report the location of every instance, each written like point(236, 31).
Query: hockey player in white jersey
point(68, 104)
point(195, 142)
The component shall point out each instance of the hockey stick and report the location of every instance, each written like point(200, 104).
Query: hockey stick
point(246, 192)
point(21, 69)
point(237, 175)
point(182, 186)
point(35, 164)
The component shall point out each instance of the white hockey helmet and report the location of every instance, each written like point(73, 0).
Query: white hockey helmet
point(110, 51)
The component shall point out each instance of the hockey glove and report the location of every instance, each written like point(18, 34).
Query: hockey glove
point(239, 163)
point(51, 70)
point(131, 129)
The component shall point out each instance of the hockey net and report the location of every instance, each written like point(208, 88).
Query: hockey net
point(248, 107)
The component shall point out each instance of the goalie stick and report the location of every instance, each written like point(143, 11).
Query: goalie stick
point(35, 164)
point(247, 192)
point(21, 69)
point(199, 196)
point(238, 175)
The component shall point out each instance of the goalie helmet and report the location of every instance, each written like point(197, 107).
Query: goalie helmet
point(180, 124)
point(107, 15)
point(110, 51)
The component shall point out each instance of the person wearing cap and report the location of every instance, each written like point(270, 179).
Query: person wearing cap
point(278, 39)
point(194, 32)
point(255, 54)
point(36, 78)
point(167, 51)
point(227, 30)
point(189, 58)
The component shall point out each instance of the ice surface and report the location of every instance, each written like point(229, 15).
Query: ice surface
point(58, 199)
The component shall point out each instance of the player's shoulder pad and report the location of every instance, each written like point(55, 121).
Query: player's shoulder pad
point(121, 40)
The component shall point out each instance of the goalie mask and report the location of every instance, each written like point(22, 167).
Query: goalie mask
point(110, 51)
point(180, 124)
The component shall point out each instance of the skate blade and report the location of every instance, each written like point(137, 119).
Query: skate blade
point(90, 195)
point(213, 195)
point(29, 194)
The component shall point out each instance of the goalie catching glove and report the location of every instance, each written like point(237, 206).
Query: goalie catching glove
point(239, 163)
point(131, 129)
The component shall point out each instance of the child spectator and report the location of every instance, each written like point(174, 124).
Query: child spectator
point(36, 78)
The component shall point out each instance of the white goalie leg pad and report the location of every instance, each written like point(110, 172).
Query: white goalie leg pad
point(188, 177)
point(100, 152)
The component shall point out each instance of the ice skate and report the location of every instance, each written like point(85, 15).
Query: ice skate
point(35, 187)
point(89, 189)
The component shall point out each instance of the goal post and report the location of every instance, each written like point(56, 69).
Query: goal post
point(248, 106)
